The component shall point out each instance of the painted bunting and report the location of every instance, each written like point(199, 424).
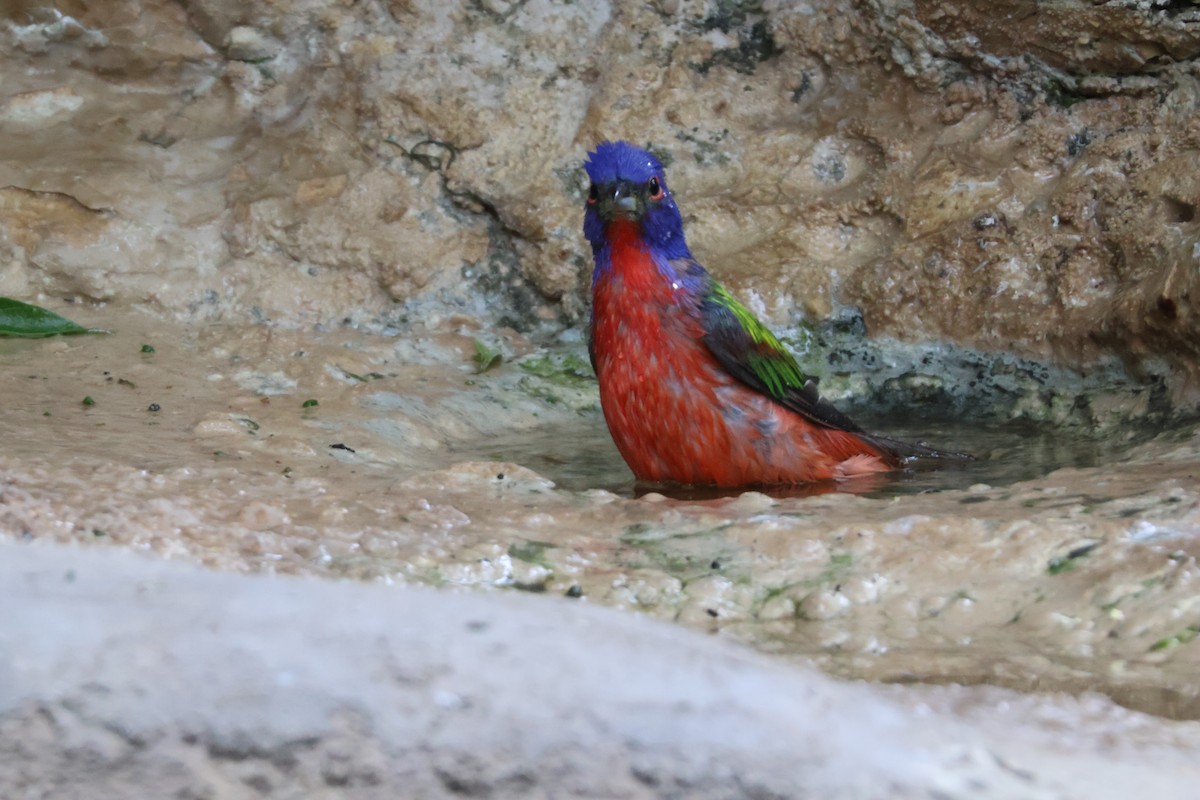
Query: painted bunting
point(695, 390)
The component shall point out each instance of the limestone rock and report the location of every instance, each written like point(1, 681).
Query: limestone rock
point(1012, 176)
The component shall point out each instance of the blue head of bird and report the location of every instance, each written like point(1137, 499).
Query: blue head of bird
point(628, 184)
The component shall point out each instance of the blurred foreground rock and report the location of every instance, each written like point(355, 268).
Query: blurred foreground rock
point(124, 677)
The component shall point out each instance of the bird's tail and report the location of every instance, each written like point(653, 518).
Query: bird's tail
point(914, 451)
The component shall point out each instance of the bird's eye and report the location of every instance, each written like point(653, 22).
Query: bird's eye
point(655, 189)
point(593, 194)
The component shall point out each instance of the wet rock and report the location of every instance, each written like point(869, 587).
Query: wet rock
point(644, 590)
point(956, 574)
point(245, 43)
point(713, 598)
point(230, 690)
point(822, 605)
point(778, 606)
point(259, 516)
point(47, 107)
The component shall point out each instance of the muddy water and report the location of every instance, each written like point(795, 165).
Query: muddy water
point(581, 456)
point(1046, 565)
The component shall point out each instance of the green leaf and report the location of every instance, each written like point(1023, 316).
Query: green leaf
point(22, 319)
point(485, 357)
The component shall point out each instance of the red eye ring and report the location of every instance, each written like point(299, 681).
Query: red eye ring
point(655, 189)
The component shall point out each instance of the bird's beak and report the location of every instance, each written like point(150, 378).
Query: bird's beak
point(627, 204)
point(620, 200)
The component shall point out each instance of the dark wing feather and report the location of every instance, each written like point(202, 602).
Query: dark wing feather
point(752, 354)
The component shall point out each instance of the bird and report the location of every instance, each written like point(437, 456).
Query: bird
point(695, 390)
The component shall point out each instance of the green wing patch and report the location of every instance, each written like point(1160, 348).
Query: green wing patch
point(765, 355)
point(751, 353)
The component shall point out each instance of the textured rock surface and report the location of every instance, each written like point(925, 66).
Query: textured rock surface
point(301, 161)
point(127, 677)
point(413, 468)
point(1016, 176)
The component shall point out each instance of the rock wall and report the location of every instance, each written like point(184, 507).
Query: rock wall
point(1004, 176)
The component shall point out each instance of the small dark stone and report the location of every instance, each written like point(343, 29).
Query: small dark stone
point(712, 612)
point(340, 446)
point(715, 564)
point(574, 590)
point(154, 407)
point(499, 476)
point(1078, 142)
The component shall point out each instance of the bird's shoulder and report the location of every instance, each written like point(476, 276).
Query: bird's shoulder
point(736, 335)
point(751, 353)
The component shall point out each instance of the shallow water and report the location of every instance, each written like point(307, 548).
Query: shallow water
point(251, 376)
point(581, 456)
